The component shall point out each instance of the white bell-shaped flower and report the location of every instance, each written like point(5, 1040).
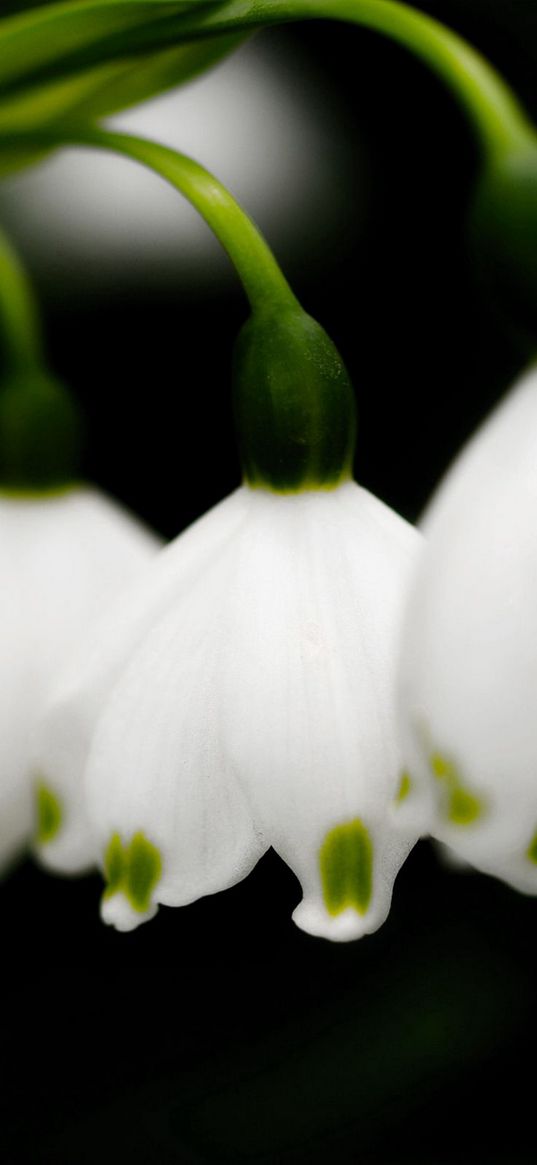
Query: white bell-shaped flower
point(469, 667)
point(246, 699)
point(65, 556)
point(245, 695)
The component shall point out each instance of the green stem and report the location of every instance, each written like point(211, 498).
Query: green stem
point(20, 335)
point(262, 279)
point(497, 116)
point(294, 403)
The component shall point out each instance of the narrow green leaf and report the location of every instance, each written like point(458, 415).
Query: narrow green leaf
point(109, 87)
point(67, 37)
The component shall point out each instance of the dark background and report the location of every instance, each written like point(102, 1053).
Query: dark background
point(220, 1033)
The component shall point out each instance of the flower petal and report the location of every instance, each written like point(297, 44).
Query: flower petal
point(16, 702)
point(469, 673)
point(64, 734)
point(249, 700)
point(158, 767)
point(64, 554)
point(310, 696)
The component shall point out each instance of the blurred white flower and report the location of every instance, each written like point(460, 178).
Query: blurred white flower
point(64, 557)
point(469, 668)
point(245, 698)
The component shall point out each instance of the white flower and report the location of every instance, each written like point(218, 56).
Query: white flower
point(469, 670)
point(63, 557)
point(246, 699)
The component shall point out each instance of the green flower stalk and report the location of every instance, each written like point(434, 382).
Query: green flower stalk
point(497, 117)
point(503, 213)
point(294, 403)
point(69, 39)
point(85, 56)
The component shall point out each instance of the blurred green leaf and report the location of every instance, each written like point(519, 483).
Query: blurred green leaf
point(62, 62)
point(107, 87)
point(64, 39)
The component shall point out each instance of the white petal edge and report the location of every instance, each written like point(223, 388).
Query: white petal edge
point(321, 587)
point(469, 664)
point(69, 719)
point(308, 593)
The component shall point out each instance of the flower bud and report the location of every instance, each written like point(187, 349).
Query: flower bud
point(294, 403)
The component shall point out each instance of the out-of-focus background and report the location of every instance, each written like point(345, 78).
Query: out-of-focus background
point(220, 1033)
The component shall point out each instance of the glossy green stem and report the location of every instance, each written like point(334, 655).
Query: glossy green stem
point(85, 34)
point(20, 333)
point(262, 279)
point(497, 117)
point(256, 266)
point(294, 403)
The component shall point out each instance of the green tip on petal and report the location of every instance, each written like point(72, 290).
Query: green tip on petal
point(133, 870)
point(531, 852)
point(144, 871)
point(114, 866)
point(294, 404)
point(346, 864)
point(405, 786)
point(463, 807)
point(49, 814)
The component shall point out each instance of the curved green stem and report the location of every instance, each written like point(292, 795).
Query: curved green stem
point(497, 116)
point(294, 403)
point(262, 279)
point(256, 266)
point(20, 335)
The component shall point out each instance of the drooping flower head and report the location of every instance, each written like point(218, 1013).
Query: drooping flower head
point(66, 551)
point(245, 696)
point(65, 557)
point(469, 667)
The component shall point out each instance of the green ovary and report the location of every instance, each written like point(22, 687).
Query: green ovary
point(49, 814)
point(133, 870)
point(463, 807)
point(346, 864)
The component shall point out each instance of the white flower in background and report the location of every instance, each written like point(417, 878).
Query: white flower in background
point(64, 557)
point(469, 669)
point(246, 699)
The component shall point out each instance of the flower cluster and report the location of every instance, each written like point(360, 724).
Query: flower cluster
point(300, 669)
point(242, 695)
